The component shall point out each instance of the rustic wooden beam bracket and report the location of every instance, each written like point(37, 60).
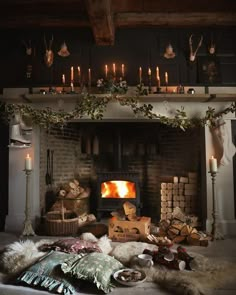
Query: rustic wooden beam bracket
point(101, 19)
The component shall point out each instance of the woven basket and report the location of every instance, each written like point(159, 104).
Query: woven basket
point(61, 223)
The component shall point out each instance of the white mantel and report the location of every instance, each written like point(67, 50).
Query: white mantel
point(194, 105)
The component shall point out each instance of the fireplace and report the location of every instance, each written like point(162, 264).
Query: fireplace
point(115, 188)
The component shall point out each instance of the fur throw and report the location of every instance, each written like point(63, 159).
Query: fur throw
point(206, 275)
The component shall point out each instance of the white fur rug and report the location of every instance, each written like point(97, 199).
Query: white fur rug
point(206, 276)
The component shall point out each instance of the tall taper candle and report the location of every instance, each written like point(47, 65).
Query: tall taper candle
point(166, 78)
point(114, 69)
point(89, 77)
point(63, 79)
point(140, 75)
point(28, 162)
point(122, 70)
point(213, 164)
point(106, 71)
point(72, 74)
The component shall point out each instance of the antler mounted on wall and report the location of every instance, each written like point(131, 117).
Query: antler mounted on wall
point(193, 53)
point(28, 47)
point(49, 55)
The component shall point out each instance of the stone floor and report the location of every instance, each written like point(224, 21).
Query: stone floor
point(223, 248)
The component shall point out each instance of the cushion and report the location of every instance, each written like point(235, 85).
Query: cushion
point(72, 245)
point(94, 267)
point(47, 274)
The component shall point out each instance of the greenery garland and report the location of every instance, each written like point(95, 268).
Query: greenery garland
point(93, 107)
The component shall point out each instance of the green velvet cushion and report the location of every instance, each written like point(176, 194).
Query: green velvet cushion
point(47, 274)
point(95, 267)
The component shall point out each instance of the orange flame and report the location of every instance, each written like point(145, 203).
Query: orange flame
point(118, 189)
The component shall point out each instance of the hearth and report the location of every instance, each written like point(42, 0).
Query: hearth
point(116, 187)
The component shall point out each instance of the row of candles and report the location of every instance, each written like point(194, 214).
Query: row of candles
point(114, 73)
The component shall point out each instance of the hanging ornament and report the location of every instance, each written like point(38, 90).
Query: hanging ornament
point(169, 53)
point(63, 52)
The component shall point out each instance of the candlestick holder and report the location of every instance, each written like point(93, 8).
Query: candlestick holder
point(28, 229)
point(215, 233)
point(150, 85)
point(166, 88)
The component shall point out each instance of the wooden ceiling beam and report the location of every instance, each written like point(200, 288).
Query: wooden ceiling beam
point(101, 19)
point(175, 19)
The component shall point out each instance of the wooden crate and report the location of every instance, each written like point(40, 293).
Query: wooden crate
point(124, 230)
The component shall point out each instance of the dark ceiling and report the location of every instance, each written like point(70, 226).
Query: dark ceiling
point(104, 16)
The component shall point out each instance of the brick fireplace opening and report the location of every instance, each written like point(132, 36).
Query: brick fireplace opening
point(146, 152)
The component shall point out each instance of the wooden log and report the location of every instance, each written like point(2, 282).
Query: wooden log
point(164, 198)
point(163, 185)
point(163, 204)
point(181, 185)
point(178, 239)
point(183, 179)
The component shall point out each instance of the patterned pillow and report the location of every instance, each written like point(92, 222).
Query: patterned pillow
point(72, 245)
point(94, 267)
point(47, 274)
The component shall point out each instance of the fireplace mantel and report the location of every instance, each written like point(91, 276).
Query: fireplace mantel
point(72, 98)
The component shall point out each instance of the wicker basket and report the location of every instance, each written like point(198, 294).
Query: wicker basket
point(61, 223)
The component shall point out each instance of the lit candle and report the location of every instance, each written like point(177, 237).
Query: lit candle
point(166, 78)
point(89, 77)
point(79, 73)
point(158, 77)
point(123, 70)
point(213, 164)
point(72, 74)
point(114, 69)
point(106, 71)
point(140, 75)
point(149, 72)
point(63, 79)
point(157, 72)
point(28, 162)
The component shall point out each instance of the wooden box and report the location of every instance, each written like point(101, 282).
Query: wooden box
point(124, 230)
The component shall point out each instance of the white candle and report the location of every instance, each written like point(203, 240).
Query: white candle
point(114, 69)
point(149, 72)
point(158, 77)
point(89, 77)
point(123, 70)
point(140, 75)
point(72, 74)
point(157, 73)
point(63, 79)
point(166, 78)
point(28, 162)
point(106, 71)
point(213, 164)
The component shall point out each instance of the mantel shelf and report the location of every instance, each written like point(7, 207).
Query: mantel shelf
point(72, 98)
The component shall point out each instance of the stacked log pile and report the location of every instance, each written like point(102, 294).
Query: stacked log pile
point(179, 232)
point(182, 193)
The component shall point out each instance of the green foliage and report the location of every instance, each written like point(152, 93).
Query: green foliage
point(93, 107)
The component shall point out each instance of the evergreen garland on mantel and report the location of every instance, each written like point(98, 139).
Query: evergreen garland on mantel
point(93, 107)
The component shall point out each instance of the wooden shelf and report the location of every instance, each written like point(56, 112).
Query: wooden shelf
point(72, 98)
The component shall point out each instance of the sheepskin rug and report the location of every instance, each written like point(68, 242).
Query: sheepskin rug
point(206, 274)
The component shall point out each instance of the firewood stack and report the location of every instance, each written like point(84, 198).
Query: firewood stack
point(182, 193)
point(179, 232)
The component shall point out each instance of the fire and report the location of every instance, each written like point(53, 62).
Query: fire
point(118, 189)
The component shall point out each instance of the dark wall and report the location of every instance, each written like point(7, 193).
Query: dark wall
point(133, 47)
